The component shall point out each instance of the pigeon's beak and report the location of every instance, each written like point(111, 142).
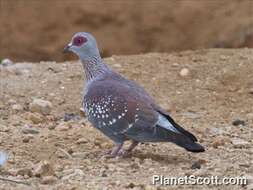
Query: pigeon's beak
point(67, 47)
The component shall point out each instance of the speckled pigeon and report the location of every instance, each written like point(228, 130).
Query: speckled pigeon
point(120, 108)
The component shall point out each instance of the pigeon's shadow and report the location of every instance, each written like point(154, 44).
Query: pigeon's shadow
point(166, 159)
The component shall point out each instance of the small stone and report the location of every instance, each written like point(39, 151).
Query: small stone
point(48, 179)
point(41, 106)
point(4, 128)
point(184, 72)
point(103, 173)
point(11, 101)
point(27, 138)
point(70, 116)
point(35, 118)
point(196, 165)
point(238, 122)
point(17, 107)
point(6, 62)
point(81, 141)
point(24, 171)
point(29, 130)
point(81, 155)
point(43, 168)
point(62, 127)
point(240, 143)
point(218, 141)
point(82, 112)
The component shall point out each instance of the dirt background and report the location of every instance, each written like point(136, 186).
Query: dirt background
point(35, 30)
point(50, 153)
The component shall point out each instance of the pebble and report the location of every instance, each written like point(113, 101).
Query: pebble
point(4, 128)
point(81, 155)
point(76, 174)
point(41, 106)
point(240, 143)
point(29, 130)
point(62, 126)
point(48, 179)
point(27, 138)
point(35, 118)
point(43, 168)
point(238, 122)
point(17, 107)
point(218, 141)
point(11, 101)
point(71, 116)
point(24, 171)
point(6, 62)
point(81, 141)
point(196, 165)
point(184, 72)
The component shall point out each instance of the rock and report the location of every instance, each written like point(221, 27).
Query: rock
point(238, 122)
point(4, 128)
point(218, 141)
point(48, 179)
point(63, 126)
point(81, 141)
point(216, 131)
point(27, 138)
point(240, 143)
point(103, 173)
point(29, 130)
point(17, 107)
point(196, 165)
point(77, 174)
point(184, 72)
point(71, 116)
point(43, 168)
point(11, 101)
point(41, 106)
point(81, 155)
point(24, 171)
point(35, 118)
point(82, 112)
point(6, 62)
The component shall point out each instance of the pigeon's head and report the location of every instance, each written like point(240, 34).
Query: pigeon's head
point(84, 45)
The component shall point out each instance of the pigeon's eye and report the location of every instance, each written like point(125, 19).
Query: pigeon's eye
point(79, 40)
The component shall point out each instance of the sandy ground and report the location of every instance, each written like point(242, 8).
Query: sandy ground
point(35, 30)
point(49, 153)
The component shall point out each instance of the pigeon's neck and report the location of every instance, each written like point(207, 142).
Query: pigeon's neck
point(94, 67)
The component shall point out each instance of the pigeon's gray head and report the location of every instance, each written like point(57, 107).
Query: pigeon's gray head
point(84, 45)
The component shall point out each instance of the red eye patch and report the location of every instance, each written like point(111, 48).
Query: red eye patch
point(79, 40)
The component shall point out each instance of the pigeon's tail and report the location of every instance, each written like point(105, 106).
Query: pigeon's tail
point(181, 137)
point(189, 145)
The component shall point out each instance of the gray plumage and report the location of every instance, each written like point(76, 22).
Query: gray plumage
point(120, 108)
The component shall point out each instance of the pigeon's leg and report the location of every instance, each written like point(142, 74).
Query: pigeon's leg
point(115, 151)
point(132, 146)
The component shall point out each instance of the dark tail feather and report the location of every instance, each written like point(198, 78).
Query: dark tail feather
point(179, 139)
point(179, 128)
point(192, 147)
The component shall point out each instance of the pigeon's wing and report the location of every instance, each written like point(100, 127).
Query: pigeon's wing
point(129, 112)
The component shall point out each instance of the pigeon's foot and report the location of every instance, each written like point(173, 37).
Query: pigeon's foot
point(128, 151)
point(114, 152)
